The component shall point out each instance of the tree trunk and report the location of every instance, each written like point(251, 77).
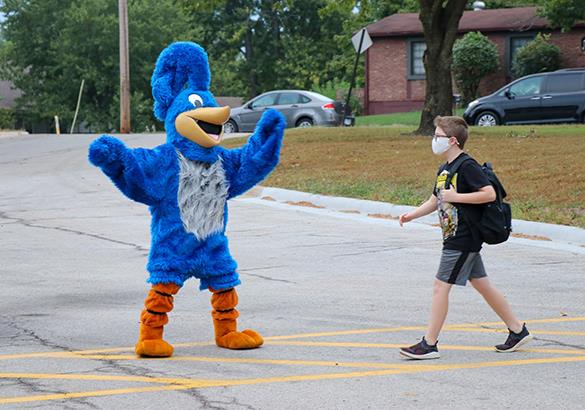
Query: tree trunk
point(440, 22)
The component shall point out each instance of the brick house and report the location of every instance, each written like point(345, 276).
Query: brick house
point(395, 76)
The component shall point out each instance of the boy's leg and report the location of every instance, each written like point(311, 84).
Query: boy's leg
point(439, 309)
point(497, 302)
point(519, 335)
point(453, 269)
point(427, 347)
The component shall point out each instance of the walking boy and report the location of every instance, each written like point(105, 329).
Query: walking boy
point(458, 205)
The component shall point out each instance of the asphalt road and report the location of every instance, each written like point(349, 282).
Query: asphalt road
point(334, 294)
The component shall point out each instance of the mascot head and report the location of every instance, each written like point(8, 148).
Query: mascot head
point(180, 87)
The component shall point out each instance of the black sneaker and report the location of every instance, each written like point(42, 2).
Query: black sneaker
point(421, 351)
point(515, 340)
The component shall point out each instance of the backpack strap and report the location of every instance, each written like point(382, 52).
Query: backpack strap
point(455, 167)
point(495, 181)
point(460, 208)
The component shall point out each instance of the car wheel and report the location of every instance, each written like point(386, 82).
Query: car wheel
point(487, 119)
point(230, 127)
point(304, 122)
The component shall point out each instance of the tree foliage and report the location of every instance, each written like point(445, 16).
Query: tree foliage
point(506, 4)
point(474, 57)
point(48, 46)
point(51, 45)
point(564, 13)
point(536, 57)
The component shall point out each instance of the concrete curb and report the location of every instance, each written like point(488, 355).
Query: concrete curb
point(12, 134)
point(535, 231)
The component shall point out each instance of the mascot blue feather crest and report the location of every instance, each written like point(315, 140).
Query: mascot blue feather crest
point(180, 64)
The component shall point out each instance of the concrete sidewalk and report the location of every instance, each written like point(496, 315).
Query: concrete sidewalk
point(335, 294)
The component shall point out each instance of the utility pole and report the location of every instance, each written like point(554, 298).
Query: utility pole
point(124, 68)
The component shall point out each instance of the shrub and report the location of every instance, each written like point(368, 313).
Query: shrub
point(474, 57)
point(536, 57)
point(7, 120)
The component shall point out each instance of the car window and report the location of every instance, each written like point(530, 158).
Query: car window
point(529, 86)
point(565, 83)
point(289, 98)
point(264, 101)
point(304, 99)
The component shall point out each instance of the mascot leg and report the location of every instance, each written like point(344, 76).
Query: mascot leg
point(152, 320)
point(224, 321)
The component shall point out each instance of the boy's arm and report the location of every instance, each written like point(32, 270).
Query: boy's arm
point(426, 208)
point(479, 189)
point(485, 195)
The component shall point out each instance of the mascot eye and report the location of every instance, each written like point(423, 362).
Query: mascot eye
point(196, 100)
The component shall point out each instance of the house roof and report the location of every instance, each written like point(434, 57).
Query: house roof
point(513, 19)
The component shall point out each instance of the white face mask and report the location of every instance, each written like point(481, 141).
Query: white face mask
point(440, 145)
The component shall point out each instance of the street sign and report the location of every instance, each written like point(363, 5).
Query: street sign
point(365, 43)
point(361, 42)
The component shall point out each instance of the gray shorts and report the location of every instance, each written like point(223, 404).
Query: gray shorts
point(458, 267)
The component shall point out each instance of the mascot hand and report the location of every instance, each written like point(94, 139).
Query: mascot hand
point(106, 152)
point(271, 126)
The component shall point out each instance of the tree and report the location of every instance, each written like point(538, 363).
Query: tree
point(563, 13)
point(258, 45)
point(267, 44)
point(440, 21)
point(474, 57)
point(536, 57)
point(54, 44)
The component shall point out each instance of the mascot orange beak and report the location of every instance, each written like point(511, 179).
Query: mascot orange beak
point(203, 126)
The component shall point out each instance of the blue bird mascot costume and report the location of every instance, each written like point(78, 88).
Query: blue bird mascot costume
point(186, 183)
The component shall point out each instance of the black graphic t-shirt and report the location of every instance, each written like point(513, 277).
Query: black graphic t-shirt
point(457, 219)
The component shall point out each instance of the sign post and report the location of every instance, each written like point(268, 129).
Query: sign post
point(361, 42)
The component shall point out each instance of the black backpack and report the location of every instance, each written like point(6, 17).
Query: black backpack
point(495, 224)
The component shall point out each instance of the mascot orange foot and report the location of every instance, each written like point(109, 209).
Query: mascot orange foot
point(154, 317)
point(152, 320)
point(224, 321)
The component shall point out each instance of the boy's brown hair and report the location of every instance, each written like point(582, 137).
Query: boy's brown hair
point(453, 127)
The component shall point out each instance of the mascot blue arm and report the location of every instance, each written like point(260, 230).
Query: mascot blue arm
point(247, 166)
point(187, 182)
point(135, 172)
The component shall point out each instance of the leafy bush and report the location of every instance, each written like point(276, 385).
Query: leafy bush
point(536, 57)
point(474, 57)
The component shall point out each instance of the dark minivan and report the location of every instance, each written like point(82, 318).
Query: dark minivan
point(557, 96)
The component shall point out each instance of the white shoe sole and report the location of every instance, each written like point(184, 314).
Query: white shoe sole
point(432, 355)
point(518, 345)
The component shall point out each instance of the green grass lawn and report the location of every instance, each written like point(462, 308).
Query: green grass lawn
point(542, 167)
point(399, 118)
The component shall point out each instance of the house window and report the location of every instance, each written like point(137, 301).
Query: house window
point(516, 43)
point(416, 69)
